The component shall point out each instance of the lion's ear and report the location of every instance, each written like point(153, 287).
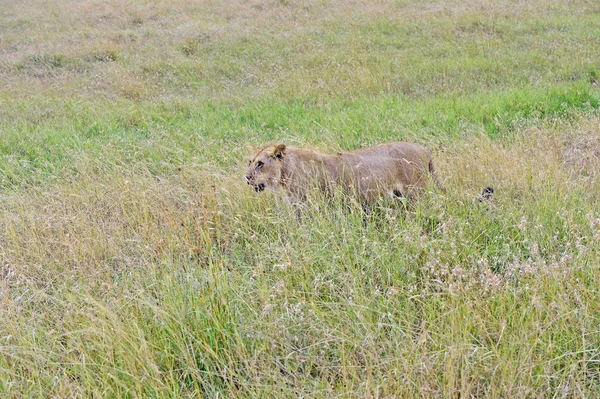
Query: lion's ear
point(254, 149)
point(279, 151)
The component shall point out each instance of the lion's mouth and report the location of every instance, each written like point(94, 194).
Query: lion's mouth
point(259, 187)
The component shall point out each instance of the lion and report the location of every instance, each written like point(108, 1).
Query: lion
point(399, 170)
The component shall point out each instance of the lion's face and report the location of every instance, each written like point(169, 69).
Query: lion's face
point(264, 169)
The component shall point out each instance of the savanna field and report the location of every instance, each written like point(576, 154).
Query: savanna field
point(136, 263)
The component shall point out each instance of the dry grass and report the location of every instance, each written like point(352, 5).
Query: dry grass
point(135, 262)
point(226, 49)
point(128, 274)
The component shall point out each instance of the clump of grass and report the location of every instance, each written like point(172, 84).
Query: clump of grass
point(106, 52)
point(127, 86)
point(50, 61)
point(191, 46)
point(42, 62)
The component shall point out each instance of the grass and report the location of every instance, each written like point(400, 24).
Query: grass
point(134, 261)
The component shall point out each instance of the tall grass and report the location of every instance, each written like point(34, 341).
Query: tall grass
point(134, 261)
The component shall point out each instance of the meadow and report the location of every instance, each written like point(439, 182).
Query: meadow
point(135, 262)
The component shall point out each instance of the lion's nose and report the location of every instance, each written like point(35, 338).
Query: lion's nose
point(248, 179)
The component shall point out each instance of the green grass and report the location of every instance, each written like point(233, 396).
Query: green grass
point(135, 262)
point(41, 148)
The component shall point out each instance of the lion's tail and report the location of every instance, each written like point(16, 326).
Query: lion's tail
point(487, 194)
point(435, 176)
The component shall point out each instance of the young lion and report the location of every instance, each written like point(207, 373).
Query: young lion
point(399, 169)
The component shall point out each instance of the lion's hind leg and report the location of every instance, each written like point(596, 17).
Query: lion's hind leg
point(400, 193)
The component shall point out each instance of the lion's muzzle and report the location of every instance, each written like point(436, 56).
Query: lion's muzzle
point(250, 180)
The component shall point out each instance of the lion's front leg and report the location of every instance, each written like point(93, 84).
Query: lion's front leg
point(297, 202)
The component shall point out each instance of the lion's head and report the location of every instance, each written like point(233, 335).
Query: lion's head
point(264, 169)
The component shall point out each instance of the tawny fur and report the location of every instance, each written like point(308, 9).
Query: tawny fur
point(398, 169)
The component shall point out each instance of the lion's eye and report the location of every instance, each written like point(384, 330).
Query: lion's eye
point(259, 164)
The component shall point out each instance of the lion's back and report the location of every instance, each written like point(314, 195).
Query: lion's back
point(389, 155)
